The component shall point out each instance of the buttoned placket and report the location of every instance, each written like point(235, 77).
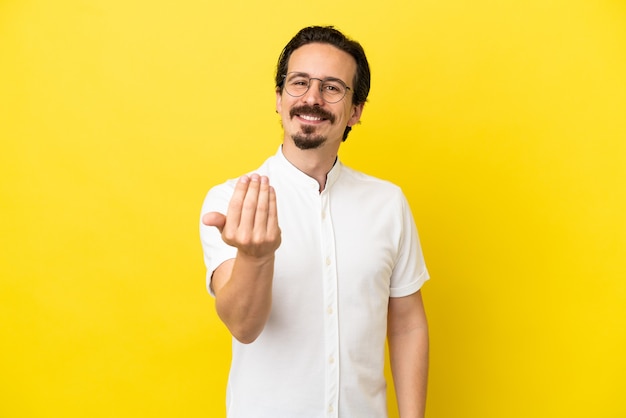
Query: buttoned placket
point(331, 320)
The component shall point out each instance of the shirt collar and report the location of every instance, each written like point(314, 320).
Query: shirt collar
point(300, 176)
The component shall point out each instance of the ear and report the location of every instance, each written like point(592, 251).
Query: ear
point(279, 100)
point(355, 117)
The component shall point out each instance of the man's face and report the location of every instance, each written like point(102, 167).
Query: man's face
point(308, 120)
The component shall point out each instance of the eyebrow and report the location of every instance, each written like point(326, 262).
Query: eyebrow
point(301, 74)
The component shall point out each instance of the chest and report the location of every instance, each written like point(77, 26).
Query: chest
point(350, 240)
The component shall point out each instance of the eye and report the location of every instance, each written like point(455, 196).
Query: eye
point(299, 82)
point(333, 87)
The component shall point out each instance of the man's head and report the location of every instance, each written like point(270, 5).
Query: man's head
point(329, 35)
point(355, 86)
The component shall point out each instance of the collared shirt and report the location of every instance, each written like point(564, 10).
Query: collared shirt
point(344, 253)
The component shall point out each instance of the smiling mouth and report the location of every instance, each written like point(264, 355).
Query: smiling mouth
point(312, 114)
point(310, 118)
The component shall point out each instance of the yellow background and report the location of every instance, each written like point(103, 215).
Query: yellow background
point(504, 122)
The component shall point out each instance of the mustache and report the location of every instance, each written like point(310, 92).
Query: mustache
point(312, 111)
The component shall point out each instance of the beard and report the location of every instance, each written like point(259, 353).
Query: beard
point(307, 139)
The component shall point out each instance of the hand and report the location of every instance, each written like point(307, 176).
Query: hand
point(251, 222)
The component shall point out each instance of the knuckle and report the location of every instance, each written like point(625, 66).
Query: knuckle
point(244, 239)
point(228, 236)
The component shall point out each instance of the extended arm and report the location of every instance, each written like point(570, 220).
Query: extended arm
point(407, 334)
point(243, 286)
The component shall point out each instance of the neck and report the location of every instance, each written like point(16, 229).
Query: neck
point(315, 163)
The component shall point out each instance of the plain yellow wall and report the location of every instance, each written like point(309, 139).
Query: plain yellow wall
point(504, 122)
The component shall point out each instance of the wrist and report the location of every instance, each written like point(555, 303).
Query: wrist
point(255, 260)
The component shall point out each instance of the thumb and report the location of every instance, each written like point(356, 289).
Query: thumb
point(215, 219)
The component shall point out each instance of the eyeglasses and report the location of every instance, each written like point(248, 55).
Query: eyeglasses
point(332, 89)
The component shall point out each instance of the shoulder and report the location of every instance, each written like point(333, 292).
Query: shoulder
point(218, 196)
point(226, 188)
point(359, 182)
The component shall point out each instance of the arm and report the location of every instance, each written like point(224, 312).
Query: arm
point(407, 335)
point(243, 286)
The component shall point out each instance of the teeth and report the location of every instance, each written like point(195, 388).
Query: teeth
point(311, 118)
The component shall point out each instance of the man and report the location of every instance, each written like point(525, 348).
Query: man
point(311, 273)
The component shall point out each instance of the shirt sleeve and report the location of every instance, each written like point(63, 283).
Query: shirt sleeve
point(214, 249)
point(410, 272)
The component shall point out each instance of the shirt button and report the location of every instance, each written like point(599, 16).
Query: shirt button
point(329, 310)
point(328, 261)
point(331, 359)
point(323, 215)
point(330, 408)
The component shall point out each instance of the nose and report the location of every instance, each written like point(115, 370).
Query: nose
point(313, 96)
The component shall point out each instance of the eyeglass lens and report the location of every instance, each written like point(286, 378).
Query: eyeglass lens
point(332, 90)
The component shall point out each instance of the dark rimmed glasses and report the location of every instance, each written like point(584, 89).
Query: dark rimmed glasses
point(332, 89)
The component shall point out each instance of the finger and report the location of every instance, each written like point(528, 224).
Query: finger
point(272, 214)
point(233, 215)
point(262, 209)
point(215, 219)
point(248, 211)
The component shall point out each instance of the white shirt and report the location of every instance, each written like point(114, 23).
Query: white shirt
point(344, 253)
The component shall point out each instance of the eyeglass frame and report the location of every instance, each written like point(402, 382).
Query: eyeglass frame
point(322, 81)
